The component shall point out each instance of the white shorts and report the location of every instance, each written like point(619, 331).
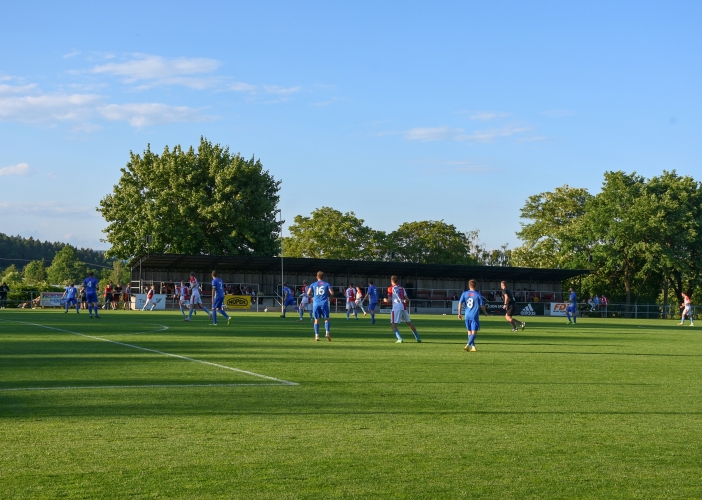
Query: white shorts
point(687, 310)
point(195, 299)
point(350, 304)
point(305, 304)
point(401, 316)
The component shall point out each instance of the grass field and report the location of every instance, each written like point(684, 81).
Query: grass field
point(604, 409)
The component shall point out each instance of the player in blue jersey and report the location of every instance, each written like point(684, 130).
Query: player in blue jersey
point(91, 285)
point(471, 303)
point(572, 306)
point(319, 292)
point(71, 297)
point(372, 294)
point(218, 299)
point(288, 299)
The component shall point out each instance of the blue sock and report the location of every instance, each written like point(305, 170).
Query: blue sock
point(316, 328)
point(568, 314)
point(214, 316)
point(66, 306)
point(397, 334)
point(224, 314)
point(575, 320)
point(326, 326)
point(348, 314)
point(77, 308)
point(190, 313)
point(416, 335)
point(301, 313)
point(90, 309)
point(182, 310)
point(372, 316)
point(471, 339)
point(207, 311)
point(355, 313)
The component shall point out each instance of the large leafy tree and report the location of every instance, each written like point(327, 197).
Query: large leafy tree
point(330, 234)
point(34, 272)
point(430, 242)
point(66, 267)
point(207, 201)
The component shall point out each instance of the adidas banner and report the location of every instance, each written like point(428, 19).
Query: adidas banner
point(520, 309)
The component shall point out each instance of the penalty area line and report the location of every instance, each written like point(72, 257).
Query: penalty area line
point(133, 346)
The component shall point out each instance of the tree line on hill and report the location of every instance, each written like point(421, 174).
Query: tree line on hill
point(18, 251)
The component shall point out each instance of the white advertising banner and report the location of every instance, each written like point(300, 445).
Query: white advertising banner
point(51, 299)
point(454, 307)
point(558, 309)
point(139, 299)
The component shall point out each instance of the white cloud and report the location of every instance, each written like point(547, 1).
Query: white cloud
point(19, 169)
point(488, 115)
point(145, 114)
point(275, 89)
point(240, 87)
point(47, 107)
point(47, 209)
point(16, 89)
point(430, 134)
point(146, 67)
point(558, 113)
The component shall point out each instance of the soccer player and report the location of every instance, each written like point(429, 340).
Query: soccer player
point(195, 297)
point(91, 285)
point(183, 298)
point(218, 299)
point(149, 299)
point(304, 303)
point(472, 303)
point(398, 296)
point(288, 299)
point(320, 291)
point(509, 307)
point(572, 306)
point(687, 310)
point(70, 294)
point(372, 295)
point(359, 299)
point(351, 302)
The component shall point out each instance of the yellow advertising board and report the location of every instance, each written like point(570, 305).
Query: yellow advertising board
point(237, 301)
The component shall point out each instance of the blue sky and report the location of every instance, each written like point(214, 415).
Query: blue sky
point(398, 111)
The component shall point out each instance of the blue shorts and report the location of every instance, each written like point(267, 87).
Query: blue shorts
point(371, 306)
point(91, 297)
point(321, 311)
point(218, 302)
point(72, 301)
point(570, 309)
point(290, 301)
point(472, 325)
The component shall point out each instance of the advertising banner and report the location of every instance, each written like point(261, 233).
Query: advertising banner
point(51, 299)
point(237, 301)
point(520, 308)
point(558, 309)
point(139, 299)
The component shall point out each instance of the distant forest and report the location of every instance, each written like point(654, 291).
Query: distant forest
point(20, 251)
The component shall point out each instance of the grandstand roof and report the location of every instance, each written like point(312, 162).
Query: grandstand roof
point(247, 264)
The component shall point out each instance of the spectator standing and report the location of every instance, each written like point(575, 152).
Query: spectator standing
point(3, 295)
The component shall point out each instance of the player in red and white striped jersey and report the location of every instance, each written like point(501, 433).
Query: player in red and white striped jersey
point(400, 313)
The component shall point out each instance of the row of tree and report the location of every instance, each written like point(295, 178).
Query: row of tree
point(639, 237)
point(18, 250)
point(329, 234)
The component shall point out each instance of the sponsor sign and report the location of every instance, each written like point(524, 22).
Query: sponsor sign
point(237, 301)
point(139, 299)
point(558, 309)
point(520, 308)
point(385, 310)
point(51, 299)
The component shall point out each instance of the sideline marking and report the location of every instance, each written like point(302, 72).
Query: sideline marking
point(186, 358)
point(143, 386)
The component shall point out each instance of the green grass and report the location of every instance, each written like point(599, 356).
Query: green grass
point(604, 409)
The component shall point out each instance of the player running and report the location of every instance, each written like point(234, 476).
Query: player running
point(91, 286)
point(686, 310)
point(150, 299)
point(472, 303)
point(372, 295)
point(351, 302)
point(304, 303)
point(320, 291)
point(572, 306)
point(359, 299)
point(398, 296)
point(288, 299)
point(70, 295)
point(509, 307)
point(218, 299)
point(195, 297)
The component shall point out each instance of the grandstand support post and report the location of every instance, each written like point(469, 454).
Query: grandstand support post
point(282, 275)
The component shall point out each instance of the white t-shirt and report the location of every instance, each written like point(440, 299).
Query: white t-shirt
point(398, 295)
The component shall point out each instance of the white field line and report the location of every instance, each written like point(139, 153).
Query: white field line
point(162, 329)
point(186, 358)
point(136, 386)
